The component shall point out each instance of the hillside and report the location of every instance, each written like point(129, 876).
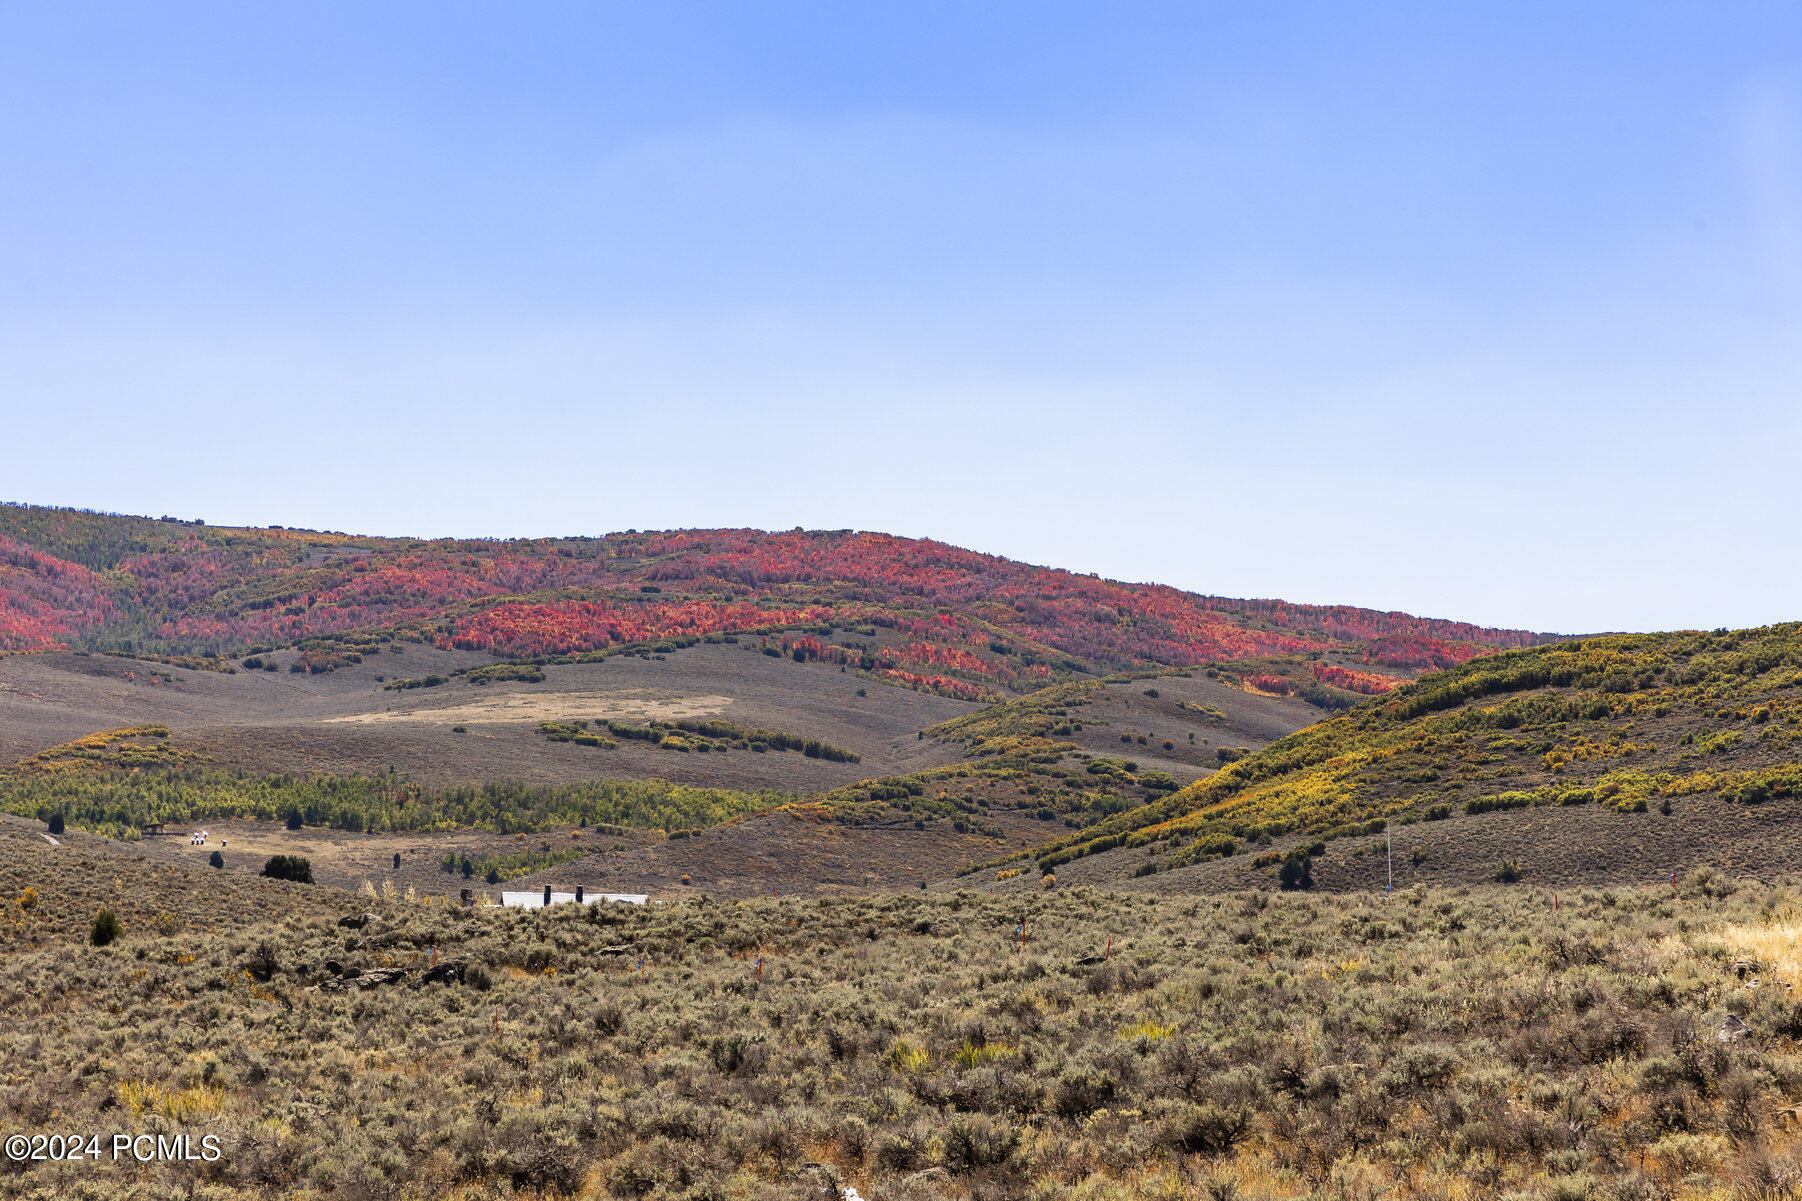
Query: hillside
point(1013, 774)
point(50, 891)
point(933, 705)
point(919, 613)
point(1591, 759)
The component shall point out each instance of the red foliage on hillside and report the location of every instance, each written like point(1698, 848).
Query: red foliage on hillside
point(944, 685)
point(43, 600)
point(527, 630)
point(1419, 652)
point(1369, 683)
point(1345, 623)
point(964, 620)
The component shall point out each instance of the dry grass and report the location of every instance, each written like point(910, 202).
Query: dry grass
point(513, 707)
point(1776, 948)
point(1466, 1045)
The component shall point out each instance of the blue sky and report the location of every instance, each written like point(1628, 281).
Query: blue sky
point(1488, 312)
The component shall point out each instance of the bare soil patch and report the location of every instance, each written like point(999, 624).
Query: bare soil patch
point(553, 706)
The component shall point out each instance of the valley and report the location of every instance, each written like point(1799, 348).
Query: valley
point(968, 879)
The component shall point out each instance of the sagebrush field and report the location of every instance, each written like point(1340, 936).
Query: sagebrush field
point(1472, 1043)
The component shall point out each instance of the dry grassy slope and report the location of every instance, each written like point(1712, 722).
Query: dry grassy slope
point(1246, 720)
point(150, 893)
point(1583, 745)
point(345, 860)
point(791, 852)
point(347, 722)
point(800, 852)
point(788, 852)
point(1554, 847)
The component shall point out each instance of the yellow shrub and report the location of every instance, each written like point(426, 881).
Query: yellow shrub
point(179, 1105)
point(1151, 1032)
point(905, 1057)
point(970, 1055)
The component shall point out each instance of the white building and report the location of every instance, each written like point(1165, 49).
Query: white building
point(535, 899)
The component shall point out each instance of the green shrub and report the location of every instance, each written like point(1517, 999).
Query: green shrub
point(1297, 870)
point(528, 673)
point(289, 867)
point(1206, 1129)
point(1506, 800)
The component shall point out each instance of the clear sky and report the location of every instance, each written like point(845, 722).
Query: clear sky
point(1486, 312)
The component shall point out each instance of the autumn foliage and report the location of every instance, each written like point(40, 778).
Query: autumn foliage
point(1369, 683)
point(929, 615)
point(43, 600)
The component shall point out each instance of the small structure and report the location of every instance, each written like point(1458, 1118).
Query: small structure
point(538, 900)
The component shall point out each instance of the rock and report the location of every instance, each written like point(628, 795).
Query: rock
point(1090, 960)
point(373, 978)
point(1733, 1029)
point(825, 1176)
point(622, 949)
point(357, 922)
point(448, 972)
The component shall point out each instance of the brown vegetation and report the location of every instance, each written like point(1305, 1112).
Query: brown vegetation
point(1629, 1044)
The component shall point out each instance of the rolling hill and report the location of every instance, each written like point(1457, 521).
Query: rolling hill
point(848, 709)
point(1603, 758)
point(932, 616)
